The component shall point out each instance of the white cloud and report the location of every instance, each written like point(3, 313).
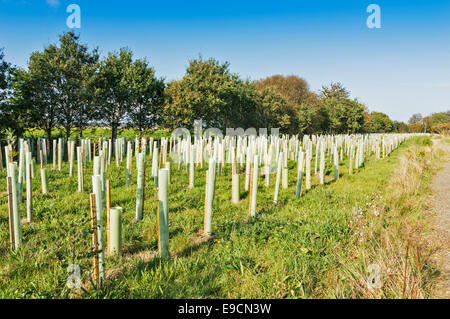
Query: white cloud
point(53, 3)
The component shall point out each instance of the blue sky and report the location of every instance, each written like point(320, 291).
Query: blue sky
point(400, 69)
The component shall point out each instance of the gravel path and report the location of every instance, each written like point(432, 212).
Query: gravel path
point(441, 206)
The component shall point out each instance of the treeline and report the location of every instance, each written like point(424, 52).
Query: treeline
point(68, 86)
point(435, 123)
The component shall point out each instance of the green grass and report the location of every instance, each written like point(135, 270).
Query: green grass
point(300, 248)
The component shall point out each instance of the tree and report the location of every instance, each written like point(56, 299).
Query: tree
point(13, 115)
point(300, 107)
point(343, 114)
point(5, 73)
point(209, 91)
point(35, 91)
point(416, 127)
point(354, 113)
point(415, 118)
point(426, 121)
point(378, 122)
point(55, 88)
point(442, 128)
point(111, 91)
point(311, 118)
point(293, 89)
point(400, 127)
point(145, 95)
point(274, 112)
point(440, 118)
point(335, 91)
point(75, 69)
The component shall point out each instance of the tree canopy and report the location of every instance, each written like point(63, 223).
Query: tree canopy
point(67, 86)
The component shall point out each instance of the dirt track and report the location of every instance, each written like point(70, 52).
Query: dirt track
point(441, 206)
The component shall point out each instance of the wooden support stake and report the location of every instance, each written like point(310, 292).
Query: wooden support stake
point(94, 238)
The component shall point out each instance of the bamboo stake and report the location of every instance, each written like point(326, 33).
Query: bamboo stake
point(94, 238)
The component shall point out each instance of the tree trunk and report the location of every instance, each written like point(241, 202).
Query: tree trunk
point(67, 133)
point(49, 133)
point(114, 131)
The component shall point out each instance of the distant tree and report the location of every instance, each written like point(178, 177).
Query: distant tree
point(275, 112)
point(55, 87)
point(416, 127)
point(301, 104)
point(354, 113)
point(378, 122)
point(145, 95)
point(75, 70)
point(415, 118)
point(440, 118)
point(5, 77)
point(35, 90)
point(400, 127)
point(442, 128)
point(209, 91)
point(111, 89)
point(335, 91)
point(344, 115)
point(426, 122)
point(311, 119)
point(293, 89)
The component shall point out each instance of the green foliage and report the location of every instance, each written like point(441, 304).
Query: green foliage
point(335, 91)
point(145, 96)
point(66, 86)
point(377, 122)
point(275, 112)
point(54, 90)
point(111, 92)
point(344, 115)
point(209, 91)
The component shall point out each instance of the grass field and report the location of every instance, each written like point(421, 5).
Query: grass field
point(318, 246)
